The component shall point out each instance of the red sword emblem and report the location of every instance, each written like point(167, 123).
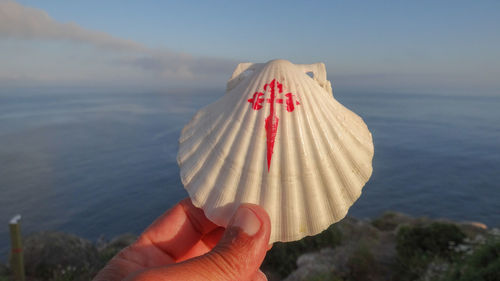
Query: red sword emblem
point(272, 120)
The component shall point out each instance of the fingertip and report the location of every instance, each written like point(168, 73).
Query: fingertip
point(259, 211)
point(245, 241)
point(197, 217)
point(259, 276)
point(262, 216)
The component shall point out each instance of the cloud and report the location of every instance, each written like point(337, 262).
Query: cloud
point(168, 65)
point(23, 23)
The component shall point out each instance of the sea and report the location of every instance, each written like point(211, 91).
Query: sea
point(98, 165)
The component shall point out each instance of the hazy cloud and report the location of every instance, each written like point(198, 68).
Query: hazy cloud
point(26, 23)
point(18, 21)
point(167, 65)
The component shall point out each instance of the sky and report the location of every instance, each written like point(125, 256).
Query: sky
point(448, 47)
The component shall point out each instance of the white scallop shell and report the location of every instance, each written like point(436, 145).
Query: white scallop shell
point(320, 160)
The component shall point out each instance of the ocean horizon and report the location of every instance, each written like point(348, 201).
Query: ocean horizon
point(99, 165)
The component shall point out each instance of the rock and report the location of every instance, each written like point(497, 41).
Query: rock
point(494, 232)
point(435, 270)
point(476, 224)
point(48, 252)
point(366, 253)
point(282, 258)
point(473, 229)
point(315, 264)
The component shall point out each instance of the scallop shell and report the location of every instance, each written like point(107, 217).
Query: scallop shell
point(278, 139)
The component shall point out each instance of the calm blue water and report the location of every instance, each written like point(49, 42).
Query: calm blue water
point(94, 164)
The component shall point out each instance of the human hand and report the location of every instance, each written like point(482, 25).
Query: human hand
point(183, 244)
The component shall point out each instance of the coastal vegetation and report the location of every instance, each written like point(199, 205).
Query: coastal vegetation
point(393, 246)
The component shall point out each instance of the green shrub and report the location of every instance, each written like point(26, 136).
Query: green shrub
point(482, 265)
point(417, 246)
point(106, 255)
point(71, 273)
point(282, 257)
point(386, 221)
point(362, 264)
point(432, 240)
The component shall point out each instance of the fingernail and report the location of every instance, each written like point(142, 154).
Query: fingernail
point(247, 221)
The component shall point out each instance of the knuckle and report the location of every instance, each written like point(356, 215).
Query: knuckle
point(227, 263)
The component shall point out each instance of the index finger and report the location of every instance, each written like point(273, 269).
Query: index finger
point(177, 230)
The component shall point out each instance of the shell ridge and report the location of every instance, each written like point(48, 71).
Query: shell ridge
point(361, 145)
point(214, 197)
point(247, 163)
point(360, 126)
point(301, 204)
point(230, 162)
point(345, 157)
point(348, 154)
point(186, 148)
point(190, 145)
point(325, 183)
point(199, 167)
point(198, 192)
point(259, 119)
point(224, 166)
point(195, 165)
point(189, 130)
point(331, 163)
point(305, 191)
point(282, 220)
point(212, 142)
point(253, 160)
point(290, 187)
point(314, 139)
point(191, 127)
point(340, 171)
point(285, 189)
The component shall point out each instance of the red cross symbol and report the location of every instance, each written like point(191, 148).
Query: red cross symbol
point(272, 120)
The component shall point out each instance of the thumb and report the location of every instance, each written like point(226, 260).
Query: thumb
point(237, 256)
point(240, 252)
